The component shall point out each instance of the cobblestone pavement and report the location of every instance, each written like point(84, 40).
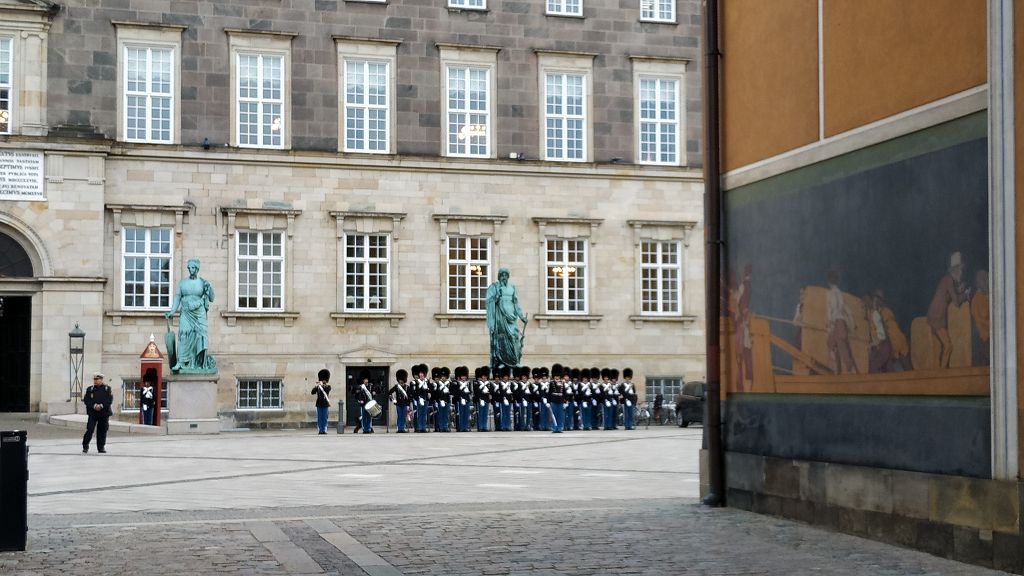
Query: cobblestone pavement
point(447, 504)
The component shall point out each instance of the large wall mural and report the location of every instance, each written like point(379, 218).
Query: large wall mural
point(866, 273)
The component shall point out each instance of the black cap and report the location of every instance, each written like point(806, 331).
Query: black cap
point(324, 375)
point(461, 371)
point(445, 372)
point(364, 375)
point(627, 372)
point(401, 375)
point(613, 374)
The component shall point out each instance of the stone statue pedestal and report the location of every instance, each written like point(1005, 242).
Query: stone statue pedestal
point(192, 404)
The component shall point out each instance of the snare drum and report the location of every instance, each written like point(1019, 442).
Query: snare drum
point(373, 408)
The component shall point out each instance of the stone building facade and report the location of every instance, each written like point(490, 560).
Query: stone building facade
point(347, 173)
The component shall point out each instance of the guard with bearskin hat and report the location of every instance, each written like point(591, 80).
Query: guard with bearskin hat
point(462, 395)
point(401, 397)
point(482, 397)
point(627, 392)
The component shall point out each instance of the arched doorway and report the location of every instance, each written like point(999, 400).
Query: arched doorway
point(15, 329)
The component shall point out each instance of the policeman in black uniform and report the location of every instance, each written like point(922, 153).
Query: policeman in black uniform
point(97, 400)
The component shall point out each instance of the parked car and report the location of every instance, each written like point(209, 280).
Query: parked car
point(690, 403)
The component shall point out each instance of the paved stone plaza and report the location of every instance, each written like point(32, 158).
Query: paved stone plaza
point(293, 502)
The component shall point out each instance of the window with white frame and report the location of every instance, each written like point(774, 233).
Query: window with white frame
point(565, 7)
point(566, 264)
point(149, 82)
point(147, 264)
point(260, 265)
point(659, 121)
point(260, 394)
point(260, 100)
point(6, 83)
point(469, 269)
point(367, 266)
point(148, 97)
point(468, 4)
point(469, 111)
point(668, 387)
point(660, 277)
point(658, 10)
point(564, 116)
point(366, 106)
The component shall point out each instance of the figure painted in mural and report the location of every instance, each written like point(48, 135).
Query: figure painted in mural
point(503, 314)
point(193, 298)
point(881, 317)
point(800, 367)
point(979, 312)
point(951, 290)
point(840, 325)
point(744, 343)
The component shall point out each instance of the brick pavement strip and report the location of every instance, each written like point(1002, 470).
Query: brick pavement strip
point(641, 537)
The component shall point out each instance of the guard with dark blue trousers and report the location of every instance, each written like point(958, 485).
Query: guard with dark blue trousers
point(517, 397)
point(461, 397)
point(363, 397)
point(322, 391)
point(401, 397)
point(421, 396)
point(629, 397)
point(611, 399)
point(482, 397)
point(570, 398)
point(545, 401)
point(443, 399)
point(556, 396)
point(505, 400)
point(586, 396)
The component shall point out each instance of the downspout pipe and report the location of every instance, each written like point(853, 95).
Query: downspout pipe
point(713, 258)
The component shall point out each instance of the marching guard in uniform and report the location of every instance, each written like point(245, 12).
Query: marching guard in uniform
point(401, 398)
point(482, 397)
point(571, 385)
point(363, 396)
point(505, 395)
point(611, 399)
point(586, 396)
point(556, 397)
point(545, 401)
point(629, 398)
point(421, 395)
point(443, 399)
point(462, 395)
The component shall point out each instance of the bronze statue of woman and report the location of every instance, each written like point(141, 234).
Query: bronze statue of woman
point(503, 314)
point(193, 298)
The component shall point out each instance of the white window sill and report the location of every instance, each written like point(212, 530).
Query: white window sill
point(593, 319)
point(445, 319)
point(639, 319)
point(341, 317)
point(561, 15)
point(233, 316)
point(116, 316)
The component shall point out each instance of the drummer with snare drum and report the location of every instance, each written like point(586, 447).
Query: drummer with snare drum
point(364, 397)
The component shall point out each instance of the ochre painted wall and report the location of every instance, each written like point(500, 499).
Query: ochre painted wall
point(769, 78)
point(1018, 118)
point(883, 57)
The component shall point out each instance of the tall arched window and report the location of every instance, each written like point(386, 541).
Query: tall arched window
point(14, 261)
